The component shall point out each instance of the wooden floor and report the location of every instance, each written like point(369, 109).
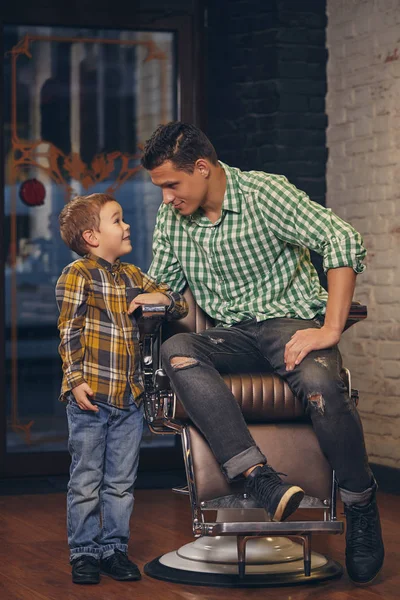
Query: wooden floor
point(34, 555)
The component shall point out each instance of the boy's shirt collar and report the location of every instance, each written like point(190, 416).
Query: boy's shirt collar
point(111, 267)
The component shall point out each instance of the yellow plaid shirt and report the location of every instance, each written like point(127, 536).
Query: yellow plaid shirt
point(99, 340)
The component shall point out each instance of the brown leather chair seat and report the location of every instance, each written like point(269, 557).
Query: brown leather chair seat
point(263, 397)
point(276, 419)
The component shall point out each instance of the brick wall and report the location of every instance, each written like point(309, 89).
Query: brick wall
point(363, 187)
point(266, 86)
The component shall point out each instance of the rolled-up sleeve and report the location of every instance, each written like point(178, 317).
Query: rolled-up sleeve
point(295, 219)
point(165, 266)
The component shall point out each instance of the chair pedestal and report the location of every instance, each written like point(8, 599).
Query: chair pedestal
point(213, 560)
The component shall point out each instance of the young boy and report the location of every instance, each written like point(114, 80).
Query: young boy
point(102, 382)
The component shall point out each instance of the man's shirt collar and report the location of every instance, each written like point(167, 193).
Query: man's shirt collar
point(233, 194)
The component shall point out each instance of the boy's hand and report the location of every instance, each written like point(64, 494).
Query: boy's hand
point(153, 298)
point(81, 393)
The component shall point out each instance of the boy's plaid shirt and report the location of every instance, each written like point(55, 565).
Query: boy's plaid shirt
point(254, 261)
point(99, 340)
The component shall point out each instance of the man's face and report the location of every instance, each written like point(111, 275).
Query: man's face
point(114, 234)
point(185, 191)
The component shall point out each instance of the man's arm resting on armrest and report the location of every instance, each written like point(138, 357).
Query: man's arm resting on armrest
point(341, 283)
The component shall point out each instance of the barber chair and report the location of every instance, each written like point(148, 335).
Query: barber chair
point(237, 545)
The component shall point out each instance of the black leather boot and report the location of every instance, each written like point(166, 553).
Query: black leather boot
point(364, 545)
point(118, 566)
point(279, 499)
point(85, 569)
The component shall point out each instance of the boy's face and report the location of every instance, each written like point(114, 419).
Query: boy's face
point(185, 191)
point(114, 234)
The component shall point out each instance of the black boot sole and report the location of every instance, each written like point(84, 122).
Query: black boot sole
point(364, 583)
point(288, 504)
point(369, 581)
point(133, 578)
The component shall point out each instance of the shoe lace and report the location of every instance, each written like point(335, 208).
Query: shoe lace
point(362, 535)
point(267, 480)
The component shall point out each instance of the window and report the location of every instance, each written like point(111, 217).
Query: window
point(78, 105)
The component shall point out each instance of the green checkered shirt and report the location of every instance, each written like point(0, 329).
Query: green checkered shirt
point(255, 260)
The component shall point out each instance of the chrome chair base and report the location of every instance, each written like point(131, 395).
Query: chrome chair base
point(212, 561)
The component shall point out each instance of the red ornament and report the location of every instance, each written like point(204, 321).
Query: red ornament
point(32, 192)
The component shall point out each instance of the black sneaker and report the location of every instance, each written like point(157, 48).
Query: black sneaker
point(85, 569)
point(364, 545)
point(118, 566)
point(279, 499)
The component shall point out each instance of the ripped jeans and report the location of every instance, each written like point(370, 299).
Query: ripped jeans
point(248, 347)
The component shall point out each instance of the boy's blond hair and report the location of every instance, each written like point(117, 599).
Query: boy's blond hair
point(80, 214)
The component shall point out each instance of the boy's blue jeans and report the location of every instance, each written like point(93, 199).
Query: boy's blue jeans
point(104, 448)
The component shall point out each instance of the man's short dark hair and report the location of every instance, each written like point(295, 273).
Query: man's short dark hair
point(181, 143)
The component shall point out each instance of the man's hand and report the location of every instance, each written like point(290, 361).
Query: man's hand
point(341, 282)
point(81, 393)
point(153, 298)
point(306, 340)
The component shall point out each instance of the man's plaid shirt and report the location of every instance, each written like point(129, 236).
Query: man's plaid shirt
point(254, 261)
point(99, 340)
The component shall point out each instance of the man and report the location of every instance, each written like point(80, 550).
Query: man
point(241, 241)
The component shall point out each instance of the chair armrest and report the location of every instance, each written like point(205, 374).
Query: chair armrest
point(150, 317)
point(158, 396)
point(358, 312)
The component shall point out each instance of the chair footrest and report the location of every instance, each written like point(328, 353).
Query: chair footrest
point(270, 528)
point(242, 501)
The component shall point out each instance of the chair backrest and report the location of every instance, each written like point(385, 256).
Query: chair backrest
point(277, 422)
point(197, 320)
point(262, 395)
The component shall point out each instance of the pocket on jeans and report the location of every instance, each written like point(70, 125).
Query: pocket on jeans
point(69, 397)
point(71, 402)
